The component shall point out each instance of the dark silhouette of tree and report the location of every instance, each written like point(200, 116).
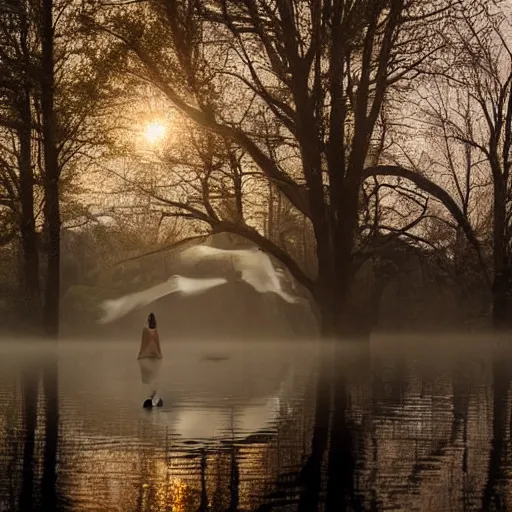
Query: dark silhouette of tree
point(493, 497)
point(484, 72)
point(17, 169)
point(30, 386)
point(478, 120)
point(50, 97)
point(51, 171)
point(321, 70)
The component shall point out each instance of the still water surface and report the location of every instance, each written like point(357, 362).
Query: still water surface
point(415, 424)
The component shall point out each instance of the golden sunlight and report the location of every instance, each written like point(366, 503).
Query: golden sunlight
point(154, 132)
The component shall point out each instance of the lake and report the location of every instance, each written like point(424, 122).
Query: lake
point(403, 423)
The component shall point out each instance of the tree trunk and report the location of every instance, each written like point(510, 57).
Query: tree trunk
point(327, 293)
point(337, 317)
point(31, 285)
point(27, 220)
point(335, 268)
point(51, 176)
point(500, 287)
point(500, 299)
point(329, 290)
point(52, 282)
point(331, 303)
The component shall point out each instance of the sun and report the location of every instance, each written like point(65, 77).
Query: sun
point(154, 132)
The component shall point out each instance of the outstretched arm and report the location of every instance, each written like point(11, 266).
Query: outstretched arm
point(117, 308)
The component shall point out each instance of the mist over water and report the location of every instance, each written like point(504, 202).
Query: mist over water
point(421, 423)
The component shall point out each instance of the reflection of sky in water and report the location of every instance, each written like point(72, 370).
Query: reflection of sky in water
point(209, 391)
point(116, 456)
point(421, 423)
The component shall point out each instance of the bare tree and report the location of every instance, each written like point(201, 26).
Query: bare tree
point(51, 168)
point(477, 120)
point(16, 117)
point(486, 74)
point(319, 69)
point(52, 104)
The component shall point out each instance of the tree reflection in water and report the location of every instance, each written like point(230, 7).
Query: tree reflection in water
point(51, 401)
point(29, 390)
point(41, 369)
point(399, 431)
point(333, 477)
point(335, 436)
point(495, 495)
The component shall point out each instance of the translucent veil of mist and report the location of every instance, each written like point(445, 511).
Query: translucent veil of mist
point(117, 308)
point(250, 265)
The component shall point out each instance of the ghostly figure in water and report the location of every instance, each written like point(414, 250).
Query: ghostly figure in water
point(150, 361)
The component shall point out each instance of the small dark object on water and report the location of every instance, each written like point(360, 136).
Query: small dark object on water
point(148, 403)
point(216, 358)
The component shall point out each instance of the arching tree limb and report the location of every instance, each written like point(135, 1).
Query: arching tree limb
point(440, 194)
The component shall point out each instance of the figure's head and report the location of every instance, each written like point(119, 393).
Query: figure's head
point(151, 321)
